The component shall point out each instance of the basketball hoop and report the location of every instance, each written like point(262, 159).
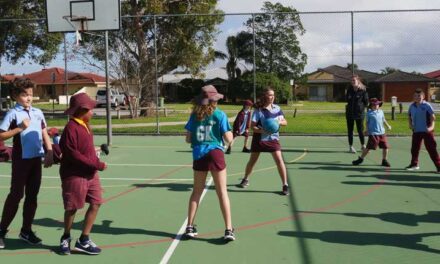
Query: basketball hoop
point(79, 24)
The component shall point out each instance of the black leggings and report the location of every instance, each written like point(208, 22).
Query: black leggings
point(360, 129)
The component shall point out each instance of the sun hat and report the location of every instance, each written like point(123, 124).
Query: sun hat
point(208, 94)
point(80, 101)
point(375, 101)
point(248, 103)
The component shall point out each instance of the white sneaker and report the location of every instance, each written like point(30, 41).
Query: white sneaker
point(412, 168)
point(351, 149)
point(363, 147)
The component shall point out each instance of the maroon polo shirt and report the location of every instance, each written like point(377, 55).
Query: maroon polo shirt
point(79, 155)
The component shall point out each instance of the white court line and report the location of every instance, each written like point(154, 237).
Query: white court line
point(114, 179)
point(149, 165)
point(179, 235)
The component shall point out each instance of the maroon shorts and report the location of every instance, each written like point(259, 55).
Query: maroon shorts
point(377, 140)
point(79, 190)
point(213, 161)
point(264, 146)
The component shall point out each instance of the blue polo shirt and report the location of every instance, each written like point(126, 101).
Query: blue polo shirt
point(375, 119)
point(30, 140)
point(261, 114)
point(207, 134)
point(420, 116)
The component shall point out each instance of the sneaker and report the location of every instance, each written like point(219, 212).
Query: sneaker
point(65, 246)
point(228, 151)
point(351, 149)
point(246, 150)
point(30, 237)
point(363, 147)
point(229, 235)
point(285, 190)
point(87, 247)
point(358, 161)
point(385, 163)
point(2, 240)
point(244, 183)
point(191, 231)
point(412, 167)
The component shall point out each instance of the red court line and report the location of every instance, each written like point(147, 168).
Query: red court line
point(253, 226)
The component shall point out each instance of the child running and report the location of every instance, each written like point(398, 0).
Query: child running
point(421, 121)
point(265, 141)
point(79, 177)
point(27, 126)
point(376, 132)
point(241, 125)
point(207, 129)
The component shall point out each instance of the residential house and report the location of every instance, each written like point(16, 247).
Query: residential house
point(434, 87)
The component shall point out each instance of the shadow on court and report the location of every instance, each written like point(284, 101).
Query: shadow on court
point(399, 177)
point(407, 184)
point(400, 218)
point(406, 241)
point(176, 187)
point(18, 244)
point(312, 151)
point(103, 228)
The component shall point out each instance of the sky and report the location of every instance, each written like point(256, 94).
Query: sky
point(408, 41)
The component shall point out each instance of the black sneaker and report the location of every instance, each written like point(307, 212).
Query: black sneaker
point(385, 163)
point(87, 247)
point(229, 235)
point(2, 239)
point(191, 231)
point(65, 246)
point(228, 151)
point(30, 237)
point(246, 150)
point(285, 190)
point(244, 183)
point(358, 161)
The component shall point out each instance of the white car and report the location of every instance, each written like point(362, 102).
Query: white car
point(116, 98)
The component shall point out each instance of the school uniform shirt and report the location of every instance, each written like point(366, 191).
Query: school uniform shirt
point(27, 144)
point(261, 114)
point(420, 116)
point(375, 119)
point(242, 121)
point(79, 155)
point(207, 134)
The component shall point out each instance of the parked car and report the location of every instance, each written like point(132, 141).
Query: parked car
point(116, 98)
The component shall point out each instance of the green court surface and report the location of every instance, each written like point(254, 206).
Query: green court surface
point(336, 213)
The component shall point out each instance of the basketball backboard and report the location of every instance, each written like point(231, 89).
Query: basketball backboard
point(83, 15)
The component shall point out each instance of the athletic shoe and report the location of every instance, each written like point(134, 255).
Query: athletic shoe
point(412, 168)
point(285, 190)
point(351, 149)
point(191, 231)
point(2, 239)
point(246, 150)
point(229, 235)
point(87, 247)
point(358, 161)
point(385, 163)
point(244, 183)
point(363, 147)
point(30, 237)
point(65, 246)
point(228, 151)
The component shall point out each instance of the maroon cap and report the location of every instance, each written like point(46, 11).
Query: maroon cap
point(80, 101)
point(53, 131)
point(375, 101)
point(208, 94)
point(248, 103)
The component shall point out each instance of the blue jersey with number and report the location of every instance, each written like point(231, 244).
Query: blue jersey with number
point(207, 134)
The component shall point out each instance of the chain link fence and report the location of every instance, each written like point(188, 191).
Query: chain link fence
point(307, 57)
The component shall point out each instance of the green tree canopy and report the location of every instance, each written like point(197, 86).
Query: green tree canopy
point(26, 37)
point(277, 45)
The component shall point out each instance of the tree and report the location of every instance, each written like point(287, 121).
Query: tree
point(282, 88)
point(354, 66)
point(26, 38)
point(182, 42)
point(388, 70)
point(277, 44)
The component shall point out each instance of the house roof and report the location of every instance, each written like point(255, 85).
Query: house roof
point(7, 77)
point(434, 74)
point(343, 74)
point(56, 76)
point(400, 76)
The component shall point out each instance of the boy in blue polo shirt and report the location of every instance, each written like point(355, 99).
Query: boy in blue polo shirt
point(376, 132)
point(27, 126)
point(421, 121)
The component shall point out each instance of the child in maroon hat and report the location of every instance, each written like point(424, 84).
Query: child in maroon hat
point(241, 125)
point(78, 171)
